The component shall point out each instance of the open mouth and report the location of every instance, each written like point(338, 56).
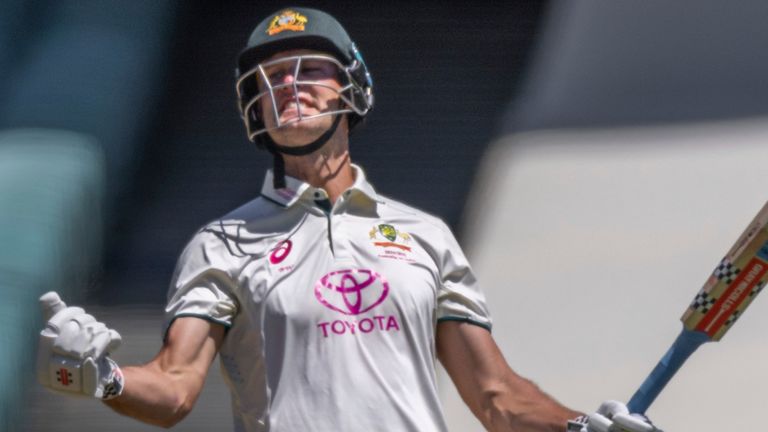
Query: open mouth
point(295, 106)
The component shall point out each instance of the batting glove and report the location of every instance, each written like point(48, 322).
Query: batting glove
point(612, 416)
point(73, 350)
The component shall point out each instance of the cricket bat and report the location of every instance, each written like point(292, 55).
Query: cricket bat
point(733, 285)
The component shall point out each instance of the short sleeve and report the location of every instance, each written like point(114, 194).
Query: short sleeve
point(203, 285)
point(459, 296)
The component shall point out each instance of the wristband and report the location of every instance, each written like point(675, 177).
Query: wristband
point(577, 424)
point(115, 382)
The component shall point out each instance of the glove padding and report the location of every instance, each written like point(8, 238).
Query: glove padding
point(73, 352)
point(612, 416)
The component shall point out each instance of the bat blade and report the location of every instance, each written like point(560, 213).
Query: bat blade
point(736, 281)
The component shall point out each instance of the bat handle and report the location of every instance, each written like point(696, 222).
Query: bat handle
point(685, 344)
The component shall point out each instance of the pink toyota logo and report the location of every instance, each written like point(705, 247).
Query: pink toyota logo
point(351, 292)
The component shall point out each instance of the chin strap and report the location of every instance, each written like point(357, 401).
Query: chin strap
point(277, 150)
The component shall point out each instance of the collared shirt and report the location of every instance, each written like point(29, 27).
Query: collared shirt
point(331, 310)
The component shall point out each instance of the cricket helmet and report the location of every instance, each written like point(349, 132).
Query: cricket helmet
point(300, 28)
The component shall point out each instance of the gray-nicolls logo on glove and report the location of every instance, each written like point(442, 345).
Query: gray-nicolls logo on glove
point(73, 352)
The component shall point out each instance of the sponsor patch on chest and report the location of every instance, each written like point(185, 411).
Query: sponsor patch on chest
point(391, 243)
point(353, 293)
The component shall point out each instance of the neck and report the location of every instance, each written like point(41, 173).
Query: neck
point(328, 168)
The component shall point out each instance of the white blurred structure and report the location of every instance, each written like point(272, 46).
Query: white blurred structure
point(590, 251)
point(635, 156)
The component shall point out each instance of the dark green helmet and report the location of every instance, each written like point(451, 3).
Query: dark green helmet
point(295, 28)
point(301, 28)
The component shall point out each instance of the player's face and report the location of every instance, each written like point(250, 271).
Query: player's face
point(304, 86)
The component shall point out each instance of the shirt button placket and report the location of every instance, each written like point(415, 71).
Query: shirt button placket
point(322, 201)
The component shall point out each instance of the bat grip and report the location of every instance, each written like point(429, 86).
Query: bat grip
point(685, 344)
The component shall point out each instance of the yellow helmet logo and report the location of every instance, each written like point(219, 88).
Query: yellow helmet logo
point(287, 20)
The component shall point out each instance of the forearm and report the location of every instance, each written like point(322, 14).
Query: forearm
point(500, 398)
point(154, 396)
point(164, 390)
point(518, 405)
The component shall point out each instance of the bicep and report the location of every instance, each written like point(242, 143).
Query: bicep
point(190, 346)
point(471, 357)
point(164, 390)
point(478, 370)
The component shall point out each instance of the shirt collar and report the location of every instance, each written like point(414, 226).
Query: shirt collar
point(295, 189)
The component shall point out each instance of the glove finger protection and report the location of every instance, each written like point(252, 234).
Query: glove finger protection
point(62, 317)
point(103, 342)
point(83, 320)
point(597, 423)
point(50, 303)
point(76, 337)
point(99, 339)
point(115, 340)
point(633, 423)
point(610, 408)
point(602, 419)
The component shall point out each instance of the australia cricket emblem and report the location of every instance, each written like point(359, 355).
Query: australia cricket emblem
point(287, 20)
point(387, 236)
point(388, 231)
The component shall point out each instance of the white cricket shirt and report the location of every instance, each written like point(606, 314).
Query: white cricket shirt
point(331, 313)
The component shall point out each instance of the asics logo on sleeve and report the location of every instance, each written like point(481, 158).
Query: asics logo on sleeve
point(280, 252)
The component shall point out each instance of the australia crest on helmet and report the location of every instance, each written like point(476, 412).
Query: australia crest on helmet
point(287, 20)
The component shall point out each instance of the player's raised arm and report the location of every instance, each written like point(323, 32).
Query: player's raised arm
point(73, 358)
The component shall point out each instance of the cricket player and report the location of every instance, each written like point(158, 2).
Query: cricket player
point(327, 302)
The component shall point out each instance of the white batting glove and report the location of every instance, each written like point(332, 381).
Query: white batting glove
point(73, 350)
point(612, 416)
